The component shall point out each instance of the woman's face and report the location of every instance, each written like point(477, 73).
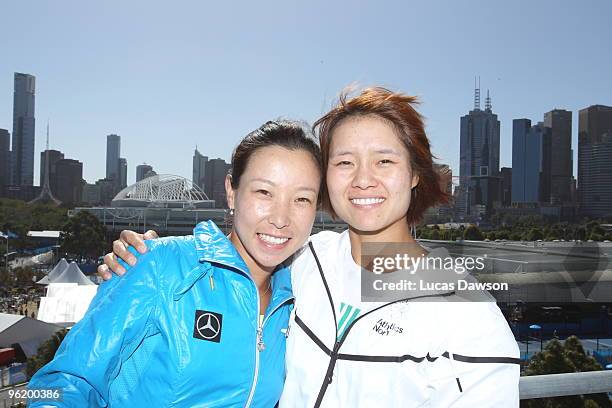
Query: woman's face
point(274, 205)
point(369, 176)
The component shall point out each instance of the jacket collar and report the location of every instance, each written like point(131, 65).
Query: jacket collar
point(214, 247)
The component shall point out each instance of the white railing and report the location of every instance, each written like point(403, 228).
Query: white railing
point(559, 385)
point(530, 387)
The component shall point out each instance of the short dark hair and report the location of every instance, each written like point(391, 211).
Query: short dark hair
point(398, 110)
point(291, 135)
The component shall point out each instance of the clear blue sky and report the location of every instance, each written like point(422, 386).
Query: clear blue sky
point(169, 75)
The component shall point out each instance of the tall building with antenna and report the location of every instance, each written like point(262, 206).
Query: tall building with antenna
point(479, 160)
point(45, 193)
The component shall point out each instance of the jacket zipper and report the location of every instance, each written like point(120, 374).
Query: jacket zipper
point(274, 310)
point(338, 343)
point(328, 374)
point(259, 344)
point(259, 336)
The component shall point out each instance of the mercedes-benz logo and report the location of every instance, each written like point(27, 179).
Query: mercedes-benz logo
point(208, 326)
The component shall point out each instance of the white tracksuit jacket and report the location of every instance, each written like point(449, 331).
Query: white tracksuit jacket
point(432, 354)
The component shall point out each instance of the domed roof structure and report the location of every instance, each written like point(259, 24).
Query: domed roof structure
point(162, 190)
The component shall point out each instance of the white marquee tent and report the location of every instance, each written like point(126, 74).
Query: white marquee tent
point(68, 296)
point(68, 303)
point(72, 274)
point(55, 272)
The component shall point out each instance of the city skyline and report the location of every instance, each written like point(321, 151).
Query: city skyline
point(206, 81)
point(131, 178)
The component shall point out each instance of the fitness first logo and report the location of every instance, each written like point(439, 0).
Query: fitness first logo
point(208, 326)
point(384, 328)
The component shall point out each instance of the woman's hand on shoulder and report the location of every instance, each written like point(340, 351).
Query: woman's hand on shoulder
point(121, 251)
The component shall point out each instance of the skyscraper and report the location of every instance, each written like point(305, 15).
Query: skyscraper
point(69, 175)
point(106, 190)
point(531, 162)
point(54, 157)
point(216, 170)
point(560, 123)
point(123, 169)
point(506, 186)
point(113, 153)
point(5, 151)
point(479, 160)
point(594, 124)
point(22, 154)
point(595, 161)
point(142, 170)
point(91, 194)
point(199, 169)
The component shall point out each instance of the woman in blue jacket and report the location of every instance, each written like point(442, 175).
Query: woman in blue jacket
point(201, 319)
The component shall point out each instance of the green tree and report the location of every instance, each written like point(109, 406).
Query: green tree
point(45, 353)
point(557, 358)
point(473, 233)
point(596, 237)
point(502, 234)
point(533, 234)
point(83, 235)
point(515, 236)
point(5, 279)
point(455, 234)
point(553, 234)
point(20, 217)
point(580, 233)
point(23, 275)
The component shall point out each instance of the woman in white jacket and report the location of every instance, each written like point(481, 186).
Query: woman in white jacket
point(341, 351)
point(344, 352)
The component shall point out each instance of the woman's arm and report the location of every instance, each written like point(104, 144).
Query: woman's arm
point(122, 313)
point(490, 380)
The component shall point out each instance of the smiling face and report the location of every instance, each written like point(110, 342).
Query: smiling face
point(369, 176)
point(275, 205)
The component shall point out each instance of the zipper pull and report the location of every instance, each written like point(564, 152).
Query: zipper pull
point(260, 342)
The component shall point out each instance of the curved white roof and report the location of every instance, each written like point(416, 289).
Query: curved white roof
point(160, 189)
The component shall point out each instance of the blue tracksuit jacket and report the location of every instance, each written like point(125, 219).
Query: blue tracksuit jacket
point(181, 329)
